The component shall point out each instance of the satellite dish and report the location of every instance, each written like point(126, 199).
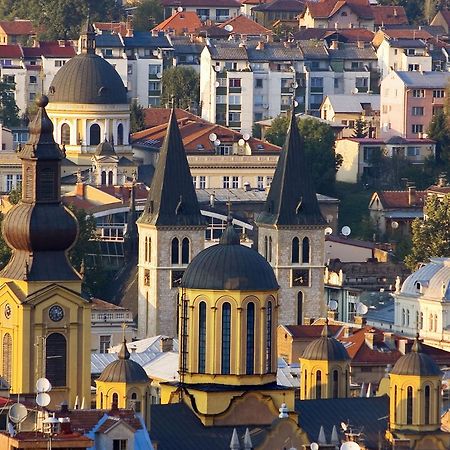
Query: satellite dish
point(328, 230)
point(17, 413)
point(394, 225)
point(180, 9)
point(228, 28)
point(11, 430)
point(42, 399)
point(212, 137)
point(355, 90)
point(314, 446)
point(43, 385)
point(346, 230)
point(217, 142)
point(344, 426)
point(361, 309)
point(350, 445)
point(159, 75)
point(155, 52)
point(295, 103)
point(332, 305)
point(246, 136)
point(295, 85)
point(241, 142)
point(217, 84)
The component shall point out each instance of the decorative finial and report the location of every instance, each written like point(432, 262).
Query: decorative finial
point(42, 101)
point(124, 353)
point(124, 327)
point(134, 177)
point(79, 178)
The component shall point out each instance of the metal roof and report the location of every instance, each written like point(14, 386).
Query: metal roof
point(353, 102)
point(426, 80)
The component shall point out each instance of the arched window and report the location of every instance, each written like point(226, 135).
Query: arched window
point(120, 134)
point(110, 178)
point(94, 134)
point(335, 384)
point(403, 316)
point(56, 359)
point(266, 247)
point(226, 338)
point(101, 400)
point(250, 355)
point(7, 358)
point(299, 308)
point(115, 400)
point(202, 337)
point(295, 257)
point(318, 384)
point(305, 250)
point(135, 403)
point(269, 338)
point(270, 249)
point(175, 258)
point(427, 394)
point(306, 384)
point(409, 405)
point(407, 317)
point(185, 249)
point(65, 133)
point(103, 180)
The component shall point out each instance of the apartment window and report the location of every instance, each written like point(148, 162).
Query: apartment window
point(234, 99)
point(438, 93)
point(417, 110)
point(413, 151)
point(203, 13)
point(107, 52)
point(357, 65)
point(59, 63)
point(194, 181)
point(9, 182)
point(234, 82)
point(105, 343)
point(154, 85)
point(257, 116)
point(234, 182)
point(10, 79)
point(231, 65)
point(317, 82)
point(6, 62)
point(202, 182)
point(418, 93)
point(268, 181)
point(33, 79)
point(260, 182)
point(222, 12)
point(222, 81)
point(417, 128)
point(413, 67)
point(287, 82)
point(361, 82)
point(119, 444)
point(221, 99)
point(226, 182)
point(154, 69)
point(19, 181)
point(258, 83)
point(234, 117)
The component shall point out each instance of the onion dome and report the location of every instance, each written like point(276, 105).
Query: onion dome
point(230, 266)
point(39, 229)
point(326, 348)
point(105, 148)
point(416, 362)
point(124, 370)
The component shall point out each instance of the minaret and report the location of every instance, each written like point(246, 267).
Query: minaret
point(171, 233)
point(45, 326)
point(291, 233)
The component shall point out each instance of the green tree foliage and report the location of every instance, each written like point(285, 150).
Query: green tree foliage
point(319, 148)
point(9, 112)
point(415, 9)
point(147, 14)
point(431, 237)
point(60, 19)
point(182, 84)
point(5, 251)
point(137, 117)
point(360, 129)
point(439, 130)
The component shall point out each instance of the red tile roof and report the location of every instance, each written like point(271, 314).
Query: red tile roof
point(400, 199)
point(389, 15)
point(101, 304)
point(113, 27)
point(254, 2)
point(17, 27)
point(50, 49)
point(310, 331)
point(245, 26)
point(328, 8)
point(205, 3)
point(407, 33)
point(180, 23)
point(11, 51)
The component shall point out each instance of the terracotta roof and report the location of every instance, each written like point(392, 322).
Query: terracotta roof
point(101, 304)
point(399, 199)
point(296, 6)
point(11, 51)
point(205, 3)
point(17, 27)
point(328, 8)
point(389, 15)
point(253, 2)
point(407, 33)
point(58, 440)
point(243, 25)
point(113, 27)
point(180, 23)
point(310, 331)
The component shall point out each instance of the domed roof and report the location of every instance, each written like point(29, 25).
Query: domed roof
point(88, 78)
point(416, 363)
point(105, 148)
point(124, 370)
point(326, 348)
point(230, 265)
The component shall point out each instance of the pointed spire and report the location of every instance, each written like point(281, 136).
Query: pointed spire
point(87, 37)
point(334, 436)
point(322, 440)
point(326, 332)
point(417, 346)
point(234, 444)
point(172, 199)
point(292, 198)
point(248, 445)
point(230, 236)
point(124, 353)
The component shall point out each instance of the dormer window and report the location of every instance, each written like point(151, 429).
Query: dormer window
point(418, 286)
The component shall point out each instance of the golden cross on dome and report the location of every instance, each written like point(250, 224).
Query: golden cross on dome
point(124, 327)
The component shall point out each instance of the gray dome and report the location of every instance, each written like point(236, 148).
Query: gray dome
point(416, 363)
point(87, 78)
point(229, 265)
point(105, 148)
point(124, 370)
point(326, 348)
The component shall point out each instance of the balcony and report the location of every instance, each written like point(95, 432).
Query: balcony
point(234, 107)
point(316, 89)
point(287, 90)
point(234, 90)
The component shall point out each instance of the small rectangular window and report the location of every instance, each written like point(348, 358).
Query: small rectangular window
point(226, 182)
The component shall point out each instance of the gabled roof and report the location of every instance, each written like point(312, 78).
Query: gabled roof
point(144, 39)
point(172, 199)
point(292, 199)
point(387, 15)
point(17, 27)
point(108, 40)
point(245, 26)
point(328, 8)
point(11, 51)
point(50, 49)
point(399, 199)
point(281, 5)
point(427, 80)
point(199, 3)
point(332, 34)
point(353, 102)
point(111, 27)
point(180, 23)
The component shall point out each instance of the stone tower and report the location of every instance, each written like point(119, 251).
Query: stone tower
point(291, 233)
point(171, 233)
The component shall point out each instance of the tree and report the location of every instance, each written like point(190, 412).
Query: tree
point(431, 237)
point(360, 129)
point(9, 112)
point(319, 142)
point(182, 84)
point(137, 117)
point(5, 251)
point(148, 13)
point(439, 130)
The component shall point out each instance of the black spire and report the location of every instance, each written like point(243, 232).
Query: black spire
point(292, 199)
point(87, 37)
point(131, 236)
point(172, 200)
point(123, 352)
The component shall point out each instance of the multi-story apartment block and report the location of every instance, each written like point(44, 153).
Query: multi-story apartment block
point(409, 100)
point(215, 10)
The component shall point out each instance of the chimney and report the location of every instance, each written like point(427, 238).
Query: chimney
point(65, 427)
point(402, 346)
point(79, 189)
point(247, 186)
point(360, 320)
point(64, 407)
point(129, 26)
point(260, 45)
point(360, 44)
point(369, 338)
point(411, 195)
point(166, 344)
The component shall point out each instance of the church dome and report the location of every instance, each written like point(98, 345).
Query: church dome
point(229, 266)
point(105, 148)
point(124, 370)
point(88, 78)
point(326, 348)
point(416, 363)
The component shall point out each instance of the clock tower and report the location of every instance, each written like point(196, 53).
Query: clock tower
point(45, 323)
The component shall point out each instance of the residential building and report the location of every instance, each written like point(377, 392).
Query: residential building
point(214, 10)
point(409, 100)
point(186, 52)
point(277, 12)
point(16, 31)
point(243, 26)
point(442, 19)
point(344, 35)
point(179, 23)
